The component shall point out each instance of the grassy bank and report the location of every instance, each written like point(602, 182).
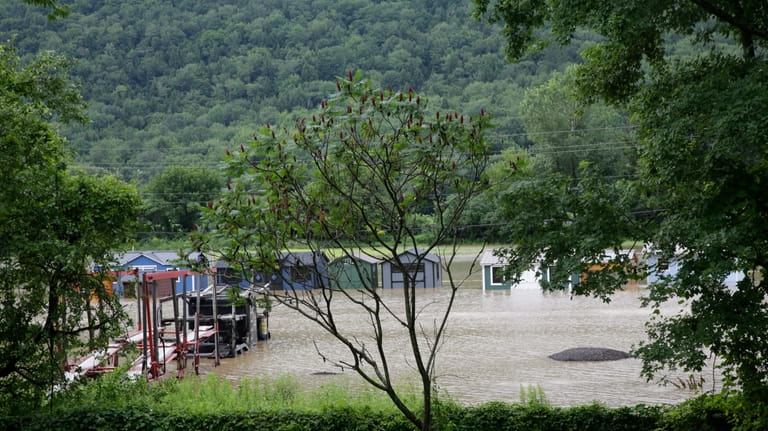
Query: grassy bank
point(117, 402)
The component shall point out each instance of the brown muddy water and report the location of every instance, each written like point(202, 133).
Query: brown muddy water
point(496, 344)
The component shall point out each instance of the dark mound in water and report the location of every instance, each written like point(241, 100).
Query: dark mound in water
point(589, 354)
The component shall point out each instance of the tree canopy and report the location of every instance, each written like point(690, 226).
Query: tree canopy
point(355, 177)
point(57, 226)
point(175, 197)
point(565, 132)
point(57, 10)
point(635, 33)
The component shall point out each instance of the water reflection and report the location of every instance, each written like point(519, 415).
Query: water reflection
point(496, 343)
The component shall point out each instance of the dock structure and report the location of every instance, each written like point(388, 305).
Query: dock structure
point(104, 360)
point(233, 311)
point(172, 329)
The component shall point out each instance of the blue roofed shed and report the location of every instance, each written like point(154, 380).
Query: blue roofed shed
point(160, 261)
point(302, 271)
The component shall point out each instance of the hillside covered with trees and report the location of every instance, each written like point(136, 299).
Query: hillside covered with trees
point(176, 83)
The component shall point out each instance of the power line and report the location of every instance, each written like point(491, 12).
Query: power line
point(564, 131)
point(171, 193)
point(609, 145)
point(144, 165)
point(128, 146)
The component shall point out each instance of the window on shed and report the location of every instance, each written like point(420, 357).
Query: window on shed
point(497, 275)
point(663, 265)
point(411, 268)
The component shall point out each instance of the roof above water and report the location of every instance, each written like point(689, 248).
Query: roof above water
point(162, 257)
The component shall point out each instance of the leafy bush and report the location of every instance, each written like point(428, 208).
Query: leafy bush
point(118, 402)
point(702, 413)
point(540, 416)
point(717, 412)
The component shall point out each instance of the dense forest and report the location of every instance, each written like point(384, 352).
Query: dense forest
point(175, 83)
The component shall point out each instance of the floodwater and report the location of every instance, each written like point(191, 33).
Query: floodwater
point(496, 343)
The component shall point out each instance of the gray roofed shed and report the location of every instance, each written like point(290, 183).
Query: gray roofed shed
point(424, 268)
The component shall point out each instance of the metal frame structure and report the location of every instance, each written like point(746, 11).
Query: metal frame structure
point(161, 346)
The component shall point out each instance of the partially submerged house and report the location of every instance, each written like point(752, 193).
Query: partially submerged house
point(609, 259)
point(160, 261)
point(296, 271)
point(549, 273)
point(494, 273)
point(612, 259)
point(301, 271)
point(424, 269)
point(354, 271)
point(661, 267)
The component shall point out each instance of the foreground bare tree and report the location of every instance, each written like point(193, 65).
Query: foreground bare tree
point(372, 171)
